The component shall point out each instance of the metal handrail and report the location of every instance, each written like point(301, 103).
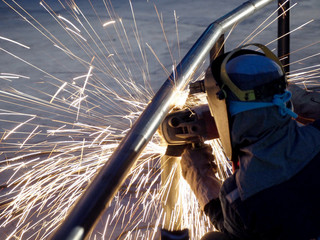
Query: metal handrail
point(104, 186)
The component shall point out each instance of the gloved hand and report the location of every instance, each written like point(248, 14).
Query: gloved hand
point(198, 170)
point(305, 103)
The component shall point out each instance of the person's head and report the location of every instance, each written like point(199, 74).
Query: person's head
point(241, 81)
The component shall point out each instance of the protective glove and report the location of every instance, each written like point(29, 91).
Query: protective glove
point(197, 168)
point(305, 103)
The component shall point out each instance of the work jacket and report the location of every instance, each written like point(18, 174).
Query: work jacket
point(286, 211)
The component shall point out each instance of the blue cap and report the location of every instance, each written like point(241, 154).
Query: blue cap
point(250, 70)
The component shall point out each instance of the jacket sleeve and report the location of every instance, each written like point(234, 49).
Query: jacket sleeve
point(305, 103)
point(214, 212)
point(224, 215)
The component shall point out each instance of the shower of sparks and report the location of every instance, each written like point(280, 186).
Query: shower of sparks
point(49, 156)
point(298, 28)
point(265, 25)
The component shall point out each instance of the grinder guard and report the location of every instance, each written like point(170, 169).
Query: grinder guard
point(189, 126)
point(218, 109)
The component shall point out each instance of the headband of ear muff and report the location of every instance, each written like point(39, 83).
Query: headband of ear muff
point(252, 94)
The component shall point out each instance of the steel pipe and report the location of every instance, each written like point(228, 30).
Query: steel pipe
point(217, 49)
point(98, 195)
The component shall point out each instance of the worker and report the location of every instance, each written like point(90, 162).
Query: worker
point(274, 192)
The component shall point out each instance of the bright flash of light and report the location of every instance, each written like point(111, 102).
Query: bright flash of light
point(180, 98)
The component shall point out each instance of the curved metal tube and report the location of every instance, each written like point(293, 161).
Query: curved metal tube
point(104, 186)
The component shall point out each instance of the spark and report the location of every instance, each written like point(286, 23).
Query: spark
point(255, 33)
point(13, 75)
point(30, 64)
point(156, 56)
point(87, 78)
point(8, 78)
point(29, 137)
point(74, 32)
point(176, 18)
point(59, 90)
point(302, 72)
point(15, 42)
point(164, 34)
point(303, 59)
point(82, 76)
point(21, 124)
point(296, 29)
point(109, 23)
point(66, 20)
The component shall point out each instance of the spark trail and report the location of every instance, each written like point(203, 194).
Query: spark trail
point(63, 114)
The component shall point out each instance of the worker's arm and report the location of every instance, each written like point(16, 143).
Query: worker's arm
point(197, 169)
point(306, 103)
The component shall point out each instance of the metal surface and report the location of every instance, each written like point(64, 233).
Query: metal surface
point(283, 34)
point(217, 49)
point(85, 213)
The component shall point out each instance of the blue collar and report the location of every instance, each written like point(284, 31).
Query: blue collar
point(279, 100)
